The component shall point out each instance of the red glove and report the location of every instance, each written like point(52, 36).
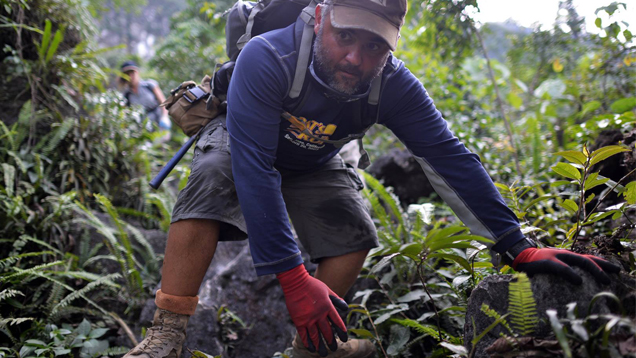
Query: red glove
point(311, 306)
point(556, 261)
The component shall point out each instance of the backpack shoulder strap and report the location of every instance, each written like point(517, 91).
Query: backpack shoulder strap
point(244, 39)
point(304, 51)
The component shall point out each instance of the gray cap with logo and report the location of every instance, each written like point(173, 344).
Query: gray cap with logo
point(381, 17)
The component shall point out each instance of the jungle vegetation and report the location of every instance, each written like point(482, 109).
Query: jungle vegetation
point(76, 161)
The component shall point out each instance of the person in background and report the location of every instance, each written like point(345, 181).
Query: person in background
point(145, 93)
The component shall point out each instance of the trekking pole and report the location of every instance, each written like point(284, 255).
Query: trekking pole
point(157, 180)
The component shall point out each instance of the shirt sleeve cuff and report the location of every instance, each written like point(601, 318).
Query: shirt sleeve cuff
point(285, 264)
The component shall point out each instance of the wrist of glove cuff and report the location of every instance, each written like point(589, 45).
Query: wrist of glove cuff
point(293, 279)
point(511, 254)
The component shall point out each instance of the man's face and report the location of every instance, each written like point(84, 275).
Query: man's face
point(347, 59)
point(134, 77)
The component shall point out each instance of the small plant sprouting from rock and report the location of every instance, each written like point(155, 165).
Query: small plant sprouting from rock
point(522, 306)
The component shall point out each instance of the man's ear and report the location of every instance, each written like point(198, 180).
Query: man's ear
point(317, 18)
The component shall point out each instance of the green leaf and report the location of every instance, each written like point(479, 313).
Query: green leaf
point(60, 351)
point(54, 45)
point(455, 258)
point(382, 263)
point(538, 200)
point(589, 107)
point(455, 348)
point(606, 152)
point(9, 177)
point(623, 105)
point(557, 327)
point(199, 354)
point(628, 35)
point(482, 264)
point(394, 309)
point(573, 156)
point(411, 250)
point(362, 333)
point(96, 333)
point(515, 100)
point(567, 170)
point(630, 192)
point(46, 38)
point(598, 22)
point(399, 337)
point(560, 182)
point(84, 328)
point(413, 296)
point(570, 206)
point(591, 181)
point(599, 216)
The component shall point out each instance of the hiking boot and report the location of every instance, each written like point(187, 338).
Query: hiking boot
point(352, 348)
point(164, 339)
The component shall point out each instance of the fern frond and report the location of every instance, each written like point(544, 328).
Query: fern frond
point(420, 328)
point(99, 257)
point(88, 276)
point(51, 140)
point(132, 276)
point(21, 127)
point(74, 310)
point(42, 275)
point(164, 206)
point(389, 199)
point(102, 281)
point(149, 256)
point(494, 314)
point(32, 271)
point(7, 136)
point(521, 305)
point(9, 293)
point(9, 261)
point(42, 243)
point(57, 291)
point(4, 322)
point(378, 209)
point(111, 240)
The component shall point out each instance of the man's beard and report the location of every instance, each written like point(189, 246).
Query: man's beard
point(327, 70)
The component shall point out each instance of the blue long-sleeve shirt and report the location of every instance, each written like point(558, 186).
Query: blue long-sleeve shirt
point(261, 142)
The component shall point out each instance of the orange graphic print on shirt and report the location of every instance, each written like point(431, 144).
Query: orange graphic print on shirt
point(316, 128)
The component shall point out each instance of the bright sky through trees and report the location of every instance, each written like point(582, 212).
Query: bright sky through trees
point(544, 12)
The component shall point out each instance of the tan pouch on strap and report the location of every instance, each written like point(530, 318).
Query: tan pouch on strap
point(191, 106)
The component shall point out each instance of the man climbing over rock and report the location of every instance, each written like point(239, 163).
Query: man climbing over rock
point(288, 164)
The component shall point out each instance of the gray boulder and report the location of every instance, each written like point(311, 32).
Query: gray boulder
point(399, 170)
point(550, 292)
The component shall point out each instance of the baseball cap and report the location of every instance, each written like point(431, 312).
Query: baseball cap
point(129, 65)
point(381, 17)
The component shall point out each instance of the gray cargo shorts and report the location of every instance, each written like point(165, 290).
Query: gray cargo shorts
point(326, 208)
